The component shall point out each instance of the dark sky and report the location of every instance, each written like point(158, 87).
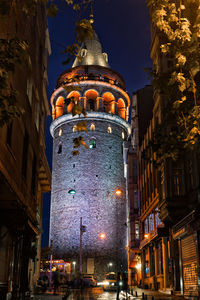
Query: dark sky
point(124, 31)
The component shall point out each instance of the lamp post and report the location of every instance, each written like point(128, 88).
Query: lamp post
point(82, 230)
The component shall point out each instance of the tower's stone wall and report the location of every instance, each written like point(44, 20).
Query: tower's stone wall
point(95, 175)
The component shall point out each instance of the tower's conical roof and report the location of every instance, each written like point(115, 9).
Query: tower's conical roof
point(91, 53)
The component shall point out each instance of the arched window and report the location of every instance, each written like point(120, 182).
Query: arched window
point(92, 143)
point(91, 104)
point(60, 132)
point(121, 108)
point(74, 96)
point(109, 129)
point(108, 102)
point(91, 100)
point(92, 127)
point(59, 106)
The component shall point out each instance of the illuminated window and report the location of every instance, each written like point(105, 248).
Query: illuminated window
point(123, 135)
point(60, 132)
point(92, 144)
point(109, 130)
point(75, 128)
point(137, 231)
point(92, 127)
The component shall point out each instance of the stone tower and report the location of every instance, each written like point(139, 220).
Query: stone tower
point(96, 173)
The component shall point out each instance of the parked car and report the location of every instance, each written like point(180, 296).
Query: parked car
point(89, 280)
point(110, 282)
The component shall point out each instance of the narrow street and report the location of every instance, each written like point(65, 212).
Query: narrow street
point(98, 294)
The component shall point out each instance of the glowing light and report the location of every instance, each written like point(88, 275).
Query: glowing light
point(74, 262)
point(138, 266)
point(110, 264)
point(71, 192)
point(60, 132)
point(106, 283)
point(146, 235)
point(102, 236)
point(118, 192)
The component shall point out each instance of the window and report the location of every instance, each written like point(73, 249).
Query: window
point(146, 226)
point(91, 104)
point(151, 225)
point(74, 128)
point(109, 130)
point(92, 144)
point(136, 204)
point(60, 132)
point(160, 258)
point(59, 148)
point(137, 231)
point(92, 127)
point(157, 219)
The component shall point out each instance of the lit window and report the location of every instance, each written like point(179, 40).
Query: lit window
point(75, 128)
point(92, 127)
point(60, 132)
point(123, 135)
point(137, 231)
point(109, 130)
point(92, 144)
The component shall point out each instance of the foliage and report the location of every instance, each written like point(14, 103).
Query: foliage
point(178, 28)
point(14, 52)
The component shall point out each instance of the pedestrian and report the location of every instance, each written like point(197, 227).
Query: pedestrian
point(55, 281)
point(118, 284)
point(125, 283)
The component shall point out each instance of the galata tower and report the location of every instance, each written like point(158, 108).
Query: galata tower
point(90, 188)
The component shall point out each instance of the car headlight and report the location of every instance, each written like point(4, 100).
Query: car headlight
point(112, 283)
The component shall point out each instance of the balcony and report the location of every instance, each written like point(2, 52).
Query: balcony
point(160, 231)
point(85, 77)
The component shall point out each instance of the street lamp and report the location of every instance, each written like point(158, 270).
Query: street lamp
point(118, 192)
point(102, 236)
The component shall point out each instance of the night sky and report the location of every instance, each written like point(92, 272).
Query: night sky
point(123, 29)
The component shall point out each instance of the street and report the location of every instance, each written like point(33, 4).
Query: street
point(98, 294)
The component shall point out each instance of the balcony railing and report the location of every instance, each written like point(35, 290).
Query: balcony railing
point(90, 77)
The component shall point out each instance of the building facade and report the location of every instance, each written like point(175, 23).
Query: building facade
point(24, 171)
point(169, 202)
point(96, 173)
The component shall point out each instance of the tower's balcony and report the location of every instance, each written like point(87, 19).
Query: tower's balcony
point(92, 90)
